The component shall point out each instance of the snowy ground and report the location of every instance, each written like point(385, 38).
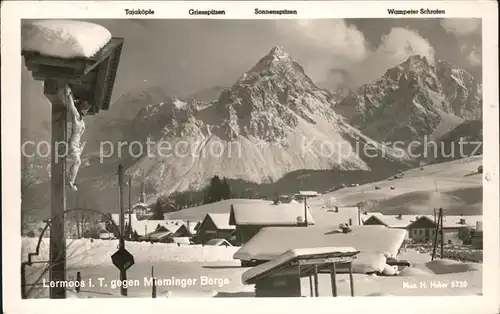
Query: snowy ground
point(460, 176)
point(195, 271)
point(83, 252)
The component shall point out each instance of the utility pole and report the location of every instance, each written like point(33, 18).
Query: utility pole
point(441, 231)
point(123, 273)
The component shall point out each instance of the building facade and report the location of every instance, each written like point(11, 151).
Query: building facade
point(214, 226)
point(249, 219)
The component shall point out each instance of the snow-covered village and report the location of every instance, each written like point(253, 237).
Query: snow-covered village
point(251, 158)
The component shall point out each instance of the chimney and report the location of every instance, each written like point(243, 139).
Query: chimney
point(350, 222)
point(462, 221)
point(400, 216)
point(336, 209)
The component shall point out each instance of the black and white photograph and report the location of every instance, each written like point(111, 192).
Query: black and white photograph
point(250, 158)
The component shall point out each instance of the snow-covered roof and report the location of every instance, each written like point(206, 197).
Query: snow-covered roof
point(307, 193)
point(455, 221)
point(331, 217)
point(198, 213)
point(365, 216)
point(217, 242)
point(64, 38)
point(140, 205)
point(143, 227)
point(221, 221)
point(268, 214)
point(291, 255)
point(158, 235)
point(270, 242)
point(395, 221)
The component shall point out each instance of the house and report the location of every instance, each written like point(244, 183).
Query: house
point(183, 231)
point(459, 229)
point(161, 234)
point(218, 242)
point(477, 236)
point(422, 229)
point(145, 226)
point(248, 219)
point(271, 242)
point(286, 199)
point(366, 215)
point(190, 225)
point(214, 226)
point(141, 209)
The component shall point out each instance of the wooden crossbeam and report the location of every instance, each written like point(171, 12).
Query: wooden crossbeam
point(319, 261)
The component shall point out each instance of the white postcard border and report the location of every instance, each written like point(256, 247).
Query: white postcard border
point(13, 11)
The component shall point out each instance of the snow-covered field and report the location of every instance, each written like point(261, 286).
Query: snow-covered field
point(83, 252)
point(195, 271)
point(459, 178)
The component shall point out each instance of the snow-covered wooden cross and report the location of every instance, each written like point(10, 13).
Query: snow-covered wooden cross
point(85, 57)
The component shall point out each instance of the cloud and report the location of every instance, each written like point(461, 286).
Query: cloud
point(342, 56)
point(395, 47)
point(461, 27)
point(335, 45)
point(342, 41)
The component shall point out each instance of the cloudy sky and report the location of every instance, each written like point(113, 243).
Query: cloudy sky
point(189, 55)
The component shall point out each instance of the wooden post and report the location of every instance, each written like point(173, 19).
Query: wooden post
point(333, 279)
point(316, 290)
point(78, 281)
point(24, 294)
point(351, 279)
point(123, 273)
point(153, 292)
point(434, 244)
point(311, 286)
point(130, 208)
point(305, 211)
point(300, 285)
point(57, 270)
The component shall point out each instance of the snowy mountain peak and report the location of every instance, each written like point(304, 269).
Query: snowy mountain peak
point(268, 115)
point(412, 100)
point(417, 60)
point(278, 52)
point(276, 62)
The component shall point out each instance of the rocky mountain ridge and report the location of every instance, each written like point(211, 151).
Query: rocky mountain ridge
point(413, 100)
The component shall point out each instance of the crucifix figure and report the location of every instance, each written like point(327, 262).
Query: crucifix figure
point(78, 108)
